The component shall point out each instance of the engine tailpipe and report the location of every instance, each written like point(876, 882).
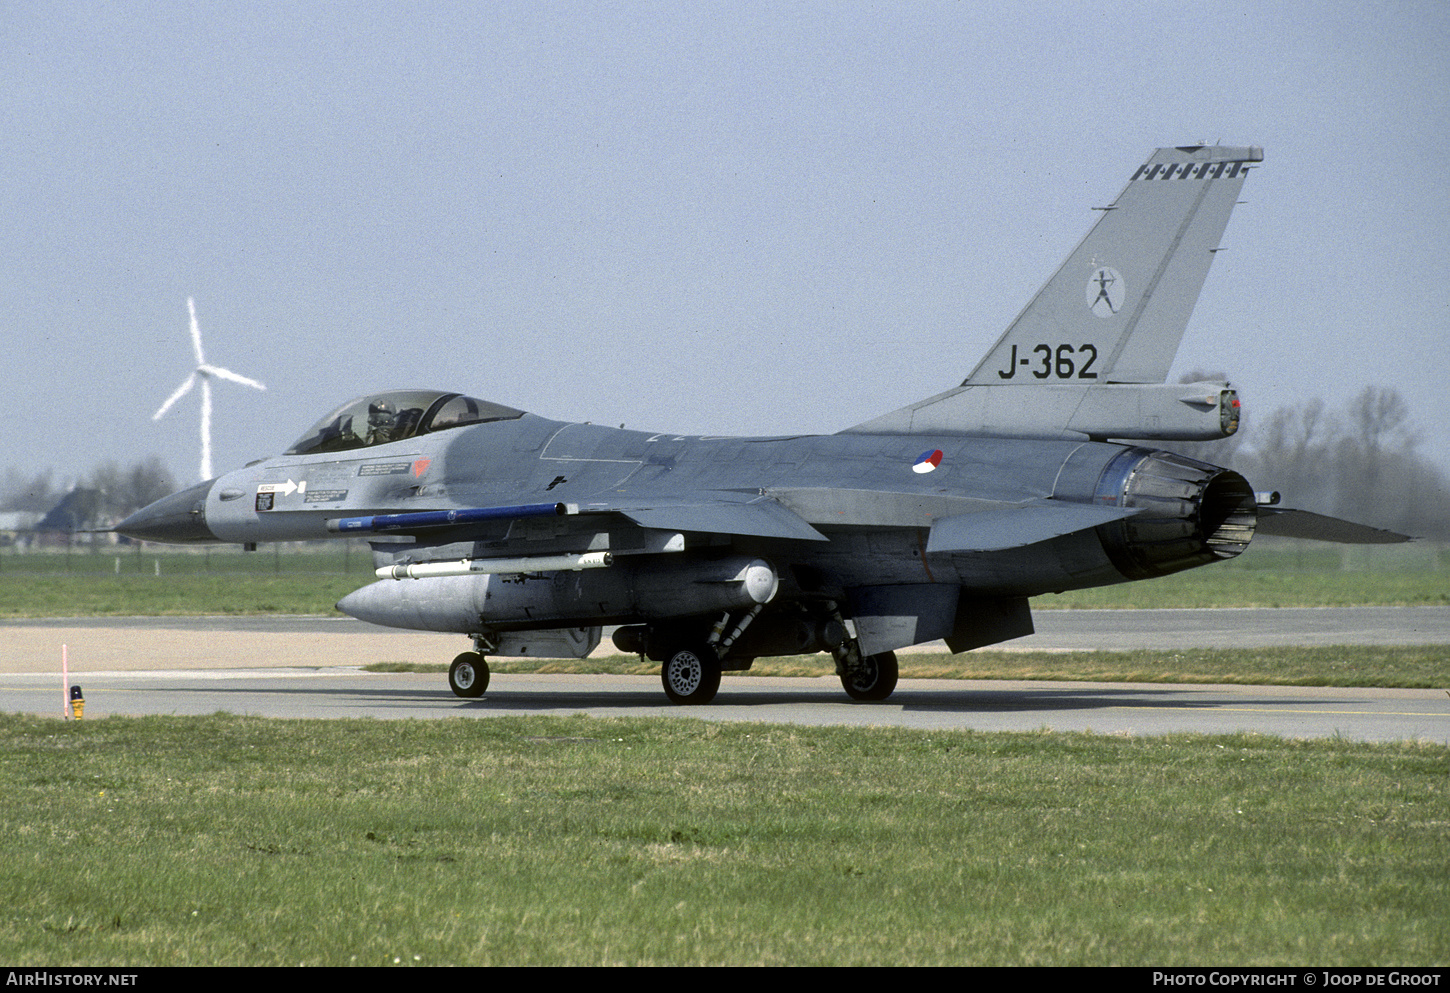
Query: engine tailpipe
point(1192, 513)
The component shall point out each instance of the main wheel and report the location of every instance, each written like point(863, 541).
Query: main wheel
point(874, 679)
point(468, 675)
point(691, 674)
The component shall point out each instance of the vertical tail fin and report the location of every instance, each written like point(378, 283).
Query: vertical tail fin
point(1117, 309)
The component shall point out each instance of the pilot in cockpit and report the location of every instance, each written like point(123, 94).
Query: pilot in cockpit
point(382, 423)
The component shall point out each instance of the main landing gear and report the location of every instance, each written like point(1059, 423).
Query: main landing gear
point(873, 678)
point(691, 674)
point(691, 658)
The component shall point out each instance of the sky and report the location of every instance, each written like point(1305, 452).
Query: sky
point(701, 217)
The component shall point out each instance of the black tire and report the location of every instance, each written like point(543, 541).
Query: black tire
point(874, 680)
point(691, 675)
point(468, 675)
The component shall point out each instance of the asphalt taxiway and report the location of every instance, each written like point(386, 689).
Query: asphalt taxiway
point(310, 667)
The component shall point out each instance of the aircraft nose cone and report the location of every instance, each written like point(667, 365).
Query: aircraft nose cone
point(177, 519)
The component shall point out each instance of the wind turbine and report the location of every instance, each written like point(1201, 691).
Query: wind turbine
point(204, 372)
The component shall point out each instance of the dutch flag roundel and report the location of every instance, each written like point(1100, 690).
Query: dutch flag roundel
point(927, 461)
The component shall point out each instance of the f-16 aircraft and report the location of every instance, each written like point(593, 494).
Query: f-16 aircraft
point(1040, 473)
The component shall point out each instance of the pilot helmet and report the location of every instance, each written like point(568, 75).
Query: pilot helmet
point(380, 412)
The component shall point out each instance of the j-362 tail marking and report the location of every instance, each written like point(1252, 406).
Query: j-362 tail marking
point(1062, 362)
point(1125, 294)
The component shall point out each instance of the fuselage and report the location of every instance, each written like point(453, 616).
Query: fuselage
point(875, 497)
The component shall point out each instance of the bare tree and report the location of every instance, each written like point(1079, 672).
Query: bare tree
point(145, 482)
point(36, 493)
point(1288, 452)
point(1362, 465)
point(125, 490)
point(119, 490)
point(1377, 444)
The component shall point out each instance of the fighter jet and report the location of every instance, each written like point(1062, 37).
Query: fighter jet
point(1041, 472)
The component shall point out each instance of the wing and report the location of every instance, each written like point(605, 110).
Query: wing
point(718, 512)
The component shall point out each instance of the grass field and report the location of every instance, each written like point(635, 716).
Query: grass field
point(580, 841)
point(584, 841)
point(577, 841)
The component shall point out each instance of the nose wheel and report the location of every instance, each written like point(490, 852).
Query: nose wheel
point(468, 675)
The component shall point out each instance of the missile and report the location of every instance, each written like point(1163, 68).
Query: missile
point(571, 561)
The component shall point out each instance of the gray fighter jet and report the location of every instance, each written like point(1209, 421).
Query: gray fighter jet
point(936, 521)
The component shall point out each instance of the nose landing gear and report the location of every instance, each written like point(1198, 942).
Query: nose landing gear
point(468, 675)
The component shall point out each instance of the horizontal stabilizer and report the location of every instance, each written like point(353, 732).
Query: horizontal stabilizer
point(995, 530)
point(1286, 523)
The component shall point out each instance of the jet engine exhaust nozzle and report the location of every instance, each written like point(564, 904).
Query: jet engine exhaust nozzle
point(1192, 513)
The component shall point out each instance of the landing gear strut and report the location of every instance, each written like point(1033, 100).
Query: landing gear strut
point(865, 677)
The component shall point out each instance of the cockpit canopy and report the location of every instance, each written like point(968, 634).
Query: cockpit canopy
point(394, 416)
